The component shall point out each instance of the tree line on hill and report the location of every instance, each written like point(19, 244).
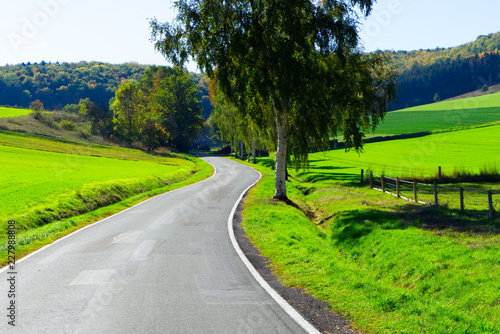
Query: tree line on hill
point(427, 76)
point(59, 84)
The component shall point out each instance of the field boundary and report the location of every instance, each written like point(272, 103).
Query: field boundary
point(399, 187)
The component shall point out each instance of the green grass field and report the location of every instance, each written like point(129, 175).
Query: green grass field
point(442, 115)
point(471, 150)
point(13, 112)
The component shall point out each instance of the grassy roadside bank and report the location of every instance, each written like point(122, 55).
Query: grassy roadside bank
point(379, 261)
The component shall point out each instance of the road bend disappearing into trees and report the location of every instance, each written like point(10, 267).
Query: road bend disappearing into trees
point(166, 265)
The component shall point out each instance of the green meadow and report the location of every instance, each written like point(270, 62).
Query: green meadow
point(470, 150)
point(13, 112)
point(443, 115)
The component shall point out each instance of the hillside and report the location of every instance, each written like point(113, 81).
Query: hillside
point(405, 60)
point(426, 76)
point(52, 187)
point(445, 115)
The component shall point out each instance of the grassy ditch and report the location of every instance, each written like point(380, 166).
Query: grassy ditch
point(387, 265)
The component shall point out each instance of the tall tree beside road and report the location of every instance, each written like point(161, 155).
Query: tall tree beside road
point(298, 57)
point(128, 109)
point(173, 102)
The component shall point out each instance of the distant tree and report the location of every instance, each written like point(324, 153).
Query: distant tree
point(36, 105)
point(128, 110)
point(296, 63)
point(101, 119)
point(175, 99)
point(153, 134)
point(485, 88)
point(436, 98)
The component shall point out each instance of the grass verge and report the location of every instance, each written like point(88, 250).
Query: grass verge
point(386, 265)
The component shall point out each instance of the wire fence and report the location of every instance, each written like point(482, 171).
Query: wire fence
point(483, 202)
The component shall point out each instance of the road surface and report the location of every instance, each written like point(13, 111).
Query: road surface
point(164, 266)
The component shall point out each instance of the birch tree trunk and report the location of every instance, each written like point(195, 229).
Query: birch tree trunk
point(281, 160)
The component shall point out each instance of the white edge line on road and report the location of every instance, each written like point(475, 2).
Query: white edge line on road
point(294, 314)
point(102, 220)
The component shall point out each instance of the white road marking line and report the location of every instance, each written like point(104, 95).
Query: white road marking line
point(143, 250)
point(299, 319)
point(127, 237)
point(88, 277)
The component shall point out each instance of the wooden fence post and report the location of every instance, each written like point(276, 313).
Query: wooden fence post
point(362, 172)
point(371, 180)
point(397, 187)
point(462, 206)
point(439, 174)
point(490, 204)
point(382, 183)
point(435, 194)
point(415, 191)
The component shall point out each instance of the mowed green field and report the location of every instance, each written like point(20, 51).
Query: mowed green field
point(29, 177)
point(442, 115)
point(13, 112)
point(470, 150)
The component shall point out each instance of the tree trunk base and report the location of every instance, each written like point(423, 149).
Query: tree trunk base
point(281, 198)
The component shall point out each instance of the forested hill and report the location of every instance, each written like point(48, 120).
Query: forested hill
point(59, 84)
point(427, 76)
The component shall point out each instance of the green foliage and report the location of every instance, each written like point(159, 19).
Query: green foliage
point(68, 125)
point(129, 110)
point(58, 84)
point(175, 100)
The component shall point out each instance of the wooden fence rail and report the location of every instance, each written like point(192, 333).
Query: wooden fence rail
point(397, 186)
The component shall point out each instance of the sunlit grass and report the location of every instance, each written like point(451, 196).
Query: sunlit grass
point(442, 115)
point(468, 150)
point(13, 112)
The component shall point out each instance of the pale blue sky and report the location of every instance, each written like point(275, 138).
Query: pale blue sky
point(118, 31)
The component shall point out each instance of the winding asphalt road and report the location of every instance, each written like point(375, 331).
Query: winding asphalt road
point(164, 266)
